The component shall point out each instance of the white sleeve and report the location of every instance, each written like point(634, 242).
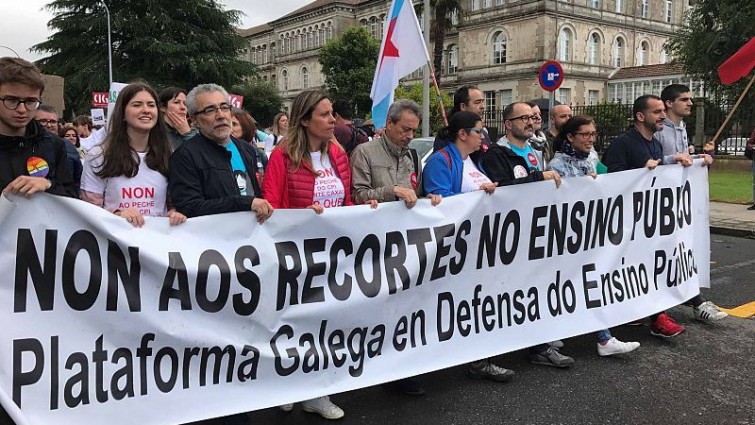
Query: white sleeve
point(90, 181)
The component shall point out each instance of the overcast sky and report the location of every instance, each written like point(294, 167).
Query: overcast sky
point(25, 22)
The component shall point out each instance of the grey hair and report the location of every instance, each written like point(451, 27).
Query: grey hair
point(398, 107)
point(191, 98)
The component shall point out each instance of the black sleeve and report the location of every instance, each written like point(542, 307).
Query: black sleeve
point(500, 171)
point(615, 158)
point(186, 190)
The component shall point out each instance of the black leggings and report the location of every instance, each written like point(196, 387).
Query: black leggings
point(694, 302)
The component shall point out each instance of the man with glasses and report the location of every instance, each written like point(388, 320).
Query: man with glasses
point(512, 160)
point(213, 172)
point(47, 116)
point(31, 159)
point(538, 141)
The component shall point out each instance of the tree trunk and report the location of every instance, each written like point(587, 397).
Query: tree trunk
point(439, 37)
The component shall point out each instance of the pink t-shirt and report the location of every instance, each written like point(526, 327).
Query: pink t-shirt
point(147, 191)
point(329, 190)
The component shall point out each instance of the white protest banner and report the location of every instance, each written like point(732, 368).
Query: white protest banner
point(98, 116)
point(115, 89)
point(106, 323)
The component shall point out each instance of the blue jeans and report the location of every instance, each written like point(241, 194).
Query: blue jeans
point(604, 335)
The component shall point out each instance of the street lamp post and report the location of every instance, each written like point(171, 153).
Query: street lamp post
point(109, 46)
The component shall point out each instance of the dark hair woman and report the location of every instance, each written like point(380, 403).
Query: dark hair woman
point(172, 102)
point(128, 173)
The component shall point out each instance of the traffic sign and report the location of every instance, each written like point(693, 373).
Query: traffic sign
point(551, 76)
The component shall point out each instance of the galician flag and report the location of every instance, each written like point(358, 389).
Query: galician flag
point(402, 52)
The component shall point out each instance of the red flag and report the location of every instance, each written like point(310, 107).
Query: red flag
point(739, 64)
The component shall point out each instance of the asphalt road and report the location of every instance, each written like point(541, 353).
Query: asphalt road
point(704, 376)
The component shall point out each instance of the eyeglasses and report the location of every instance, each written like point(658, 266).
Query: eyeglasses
point(474, 130)
point(537, 118)
point(47, 122)
point(587, 135)
point(525, 118)
point(12, 103)
point(212, 110)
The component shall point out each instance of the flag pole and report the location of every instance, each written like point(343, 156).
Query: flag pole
point(731, 113)
point(437, 92)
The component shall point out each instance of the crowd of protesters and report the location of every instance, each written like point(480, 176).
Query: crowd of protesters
point(198, 156)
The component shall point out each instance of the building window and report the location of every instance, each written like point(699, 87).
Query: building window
point(475, 5)
point(595, 4)
point(507, 96)
point(669, 10)
point(619, 6)
point(619, 53)
point(454, 16)
point(490, 105)
point(500, 2)
point(664, 56)
point(594, 51)
point(644, 8)
point(330, 32)
point(644, 53)
point(284, 79)
point(453, 58)
point(592, 97)
point(564, 45)
point(374, 27)
point(487, 3)
point(564, 96)
point(499, 48)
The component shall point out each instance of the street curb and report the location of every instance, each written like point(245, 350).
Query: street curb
point(739, 233)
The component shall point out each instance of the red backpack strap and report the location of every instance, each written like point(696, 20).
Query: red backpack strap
point(448, 157)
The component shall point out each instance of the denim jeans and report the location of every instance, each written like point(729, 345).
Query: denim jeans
point(604, 335)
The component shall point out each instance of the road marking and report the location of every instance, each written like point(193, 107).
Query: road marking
point(743, 311)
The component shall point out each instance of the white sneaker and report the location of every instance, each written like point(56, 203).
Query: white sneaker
point(322, 406)
point(287, 407)
point(708, 312)
point(614, 346)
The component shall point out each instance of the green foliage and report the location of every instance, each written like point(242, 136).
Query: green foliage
point(715, 30)
point(156, 41)
point(348, 63)
point(611, 119)
point(414, 92)
point(261, 99)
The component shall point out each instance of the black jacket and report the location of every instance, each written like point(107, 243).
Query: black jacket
point(201, 179)
point(73, 160)
point(630, 151)
point(498, 164)
point(15, 151)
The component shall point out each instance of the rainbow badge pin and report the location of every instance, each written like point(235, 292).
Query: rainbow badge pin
point(37, 167)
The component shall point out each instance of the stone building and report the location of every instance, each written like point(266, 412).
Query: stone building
point(498, 45)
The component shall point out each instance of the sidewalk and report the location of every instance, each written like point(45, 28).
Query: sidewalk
point(732, 219)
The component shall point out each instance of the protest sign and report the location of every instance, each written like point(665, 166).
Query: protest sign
point(106, 323)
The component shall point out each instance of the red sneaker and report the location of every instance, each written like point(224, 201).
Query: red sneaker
point(665, 327)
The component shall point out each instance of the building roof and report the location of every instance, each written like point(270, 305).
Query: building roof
point(254, 30)
point(318, 4)
point(648, 71)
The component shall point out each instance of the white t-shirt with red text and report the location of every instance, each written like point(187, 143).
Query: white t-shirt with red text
point(147, 191)
point(329, 190)
point(471, 177)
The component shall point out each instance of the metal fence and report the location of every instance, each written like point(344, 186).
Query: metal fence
point(612, 119)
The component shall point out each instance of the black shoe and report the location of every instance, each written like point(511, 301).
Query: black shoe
point(751, 207)
point(408, 386)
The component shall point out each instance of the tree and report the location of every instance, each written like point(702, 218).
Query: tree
point(261, 99)
point(348, 63)
point(442, 9)
point(714, 31)
point(153, 40)
point(414, 92)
